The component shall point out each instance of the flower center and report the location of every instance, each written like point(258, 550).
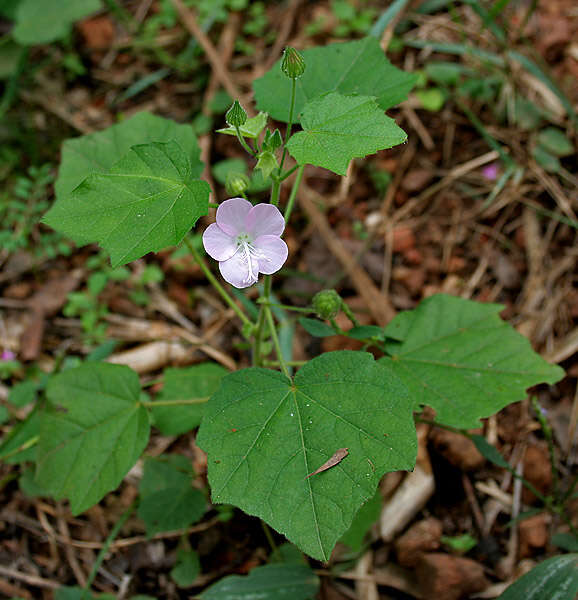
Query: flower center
point(249, 254)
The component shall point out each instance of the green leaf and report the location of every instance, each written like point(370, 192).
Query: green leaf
point(188, 383)
point(11, 55)
point(366, 516)
point(566, 541)
point(264, 434)
point(459, 543)
point(92, 432)
point(358, 67)
point(443, 72)
point(4, 414)
point(461, 359)
point(147, 201)
point(267, 163)
point(432, 99)
point(251, 129)
point(186, 569)
point(547, 161)
point(98, 152)
point(555, 141)
point(361, 332)
point(338, 128)
point(22, 436)
point(43, 21)
point(556, 577)
point(489, 452)
point(316, 328)
point(168, 501)
point(271, 582)
point(24, 393)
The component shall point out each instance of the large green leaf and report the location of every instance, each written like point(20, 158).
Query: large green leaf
point(92, 432)
point(358, 67)
point(168, 501)
point(271, 582)
point(186, 383)
point(265, 433)
point(147, 201)
point(42, 21)
point(338, 128)
point(98, 152)
point(460, 358)
point(554, 579)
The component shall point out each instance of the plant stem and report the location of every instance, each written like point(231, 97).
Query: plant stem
point(287, 307)
point(288, 173)
point(271, 541)
point(243, 143)
point(257, 360)
point(275, 192)
point(289, 363)
point(293, 195)
point(220, 289)
point(104, 550)
point(349, 313)
point(27, 444)
point(185, 402)
point(288, 130)
point(276, 343)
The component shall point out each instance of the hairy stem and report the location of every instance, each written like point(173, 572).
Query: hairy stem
point(293, 195)
point(213, 280)
point(184, 402)
point(276, 343)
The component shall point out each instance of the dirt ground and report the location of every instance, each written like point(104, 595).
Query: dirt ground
point(434, 215)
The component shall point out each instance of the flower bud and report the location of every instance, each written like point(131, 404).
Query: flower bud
point(236, 184)
point(292, 64)
point(327, 303)
point(236, 116)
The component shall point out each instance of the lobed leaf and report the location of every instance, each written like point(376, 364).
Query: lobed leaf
point(264, 434)
point(358, 67)
point(339, 128)
point(93, 430)
point(186, 383)
point(148, 201)
point(271, 582)
point(555, 578)
point(460, 358)
point(168, 501)
point(98, 152)
point(43, 21)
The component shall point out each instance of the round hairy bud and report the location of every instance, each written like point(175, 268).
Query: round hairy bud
point(292, 64)
point(327, 303)
point(236, 184)
point(236, 116)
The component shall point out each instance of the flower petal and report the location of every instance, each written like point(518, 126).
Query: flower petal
point(231, 215)
point(264, 219)
point(217, 243)
point(275, 253)
point(235, 270)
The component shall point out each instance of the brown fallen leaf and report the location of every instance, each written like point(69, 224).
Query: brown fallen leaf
point(334, 460)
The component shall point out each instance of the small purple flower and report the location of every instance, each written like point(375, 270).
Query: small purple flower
point(7, 355)
point(491, 171)
point(246, 241)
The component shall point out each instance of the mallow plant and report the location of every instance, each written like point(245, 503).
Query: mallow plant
point(303, 447)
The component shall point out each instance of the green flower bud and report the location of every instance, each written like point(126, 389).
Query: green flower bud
point(236, 116)
point(236, 183)
point(292, 64)
point(327, 303)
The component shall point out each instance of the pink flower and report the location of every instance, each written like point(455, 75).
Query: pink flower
point(491, 171)
point(246, 241)
point(7, 355)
